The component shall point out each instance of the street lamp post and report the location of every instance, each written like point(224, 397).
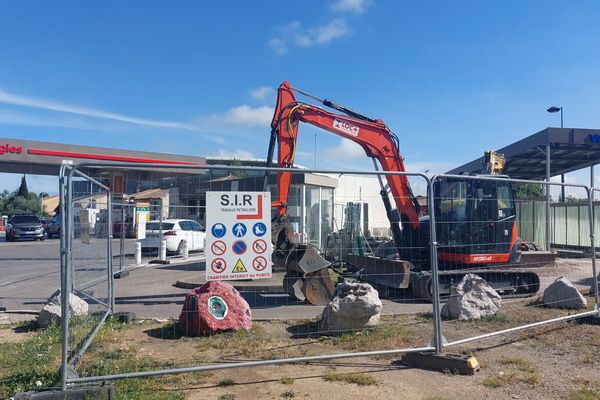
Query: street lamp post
point(555, 109)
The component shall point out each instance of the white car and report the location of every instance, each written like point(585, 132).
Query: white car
point(175, 232)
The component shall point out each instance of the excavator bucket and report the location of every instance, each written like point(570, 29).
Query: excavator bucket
point(307, 277)
point(306, 258)
point(319, 289)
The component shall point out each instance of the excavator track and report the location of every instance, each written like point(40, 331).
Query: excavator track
point(508, 282)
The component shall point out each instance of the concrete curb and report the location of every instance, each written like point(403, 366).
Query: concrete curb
point(241, 288)
point(172, 261)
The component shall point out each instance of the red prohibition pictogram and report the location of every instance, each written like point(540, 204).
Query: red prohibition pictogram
point(259, 246)
point(218, 265)
point(218, 248)
point(259, 263)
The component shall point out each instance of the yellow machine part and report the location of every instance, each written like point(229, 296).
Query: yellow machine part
point(493, 162)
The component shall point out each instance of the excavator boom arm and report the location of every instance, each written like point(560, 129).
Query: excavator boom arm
point(372, 135)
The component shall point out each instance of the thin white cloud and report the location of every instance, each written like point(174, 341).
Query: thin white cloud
point(26, 101)
point(262, 93)
point(249, 116)
point(16, 118)
point(323, 34)
point(279, 46)
point(346, 150)
point(209, 126)
point(354, 6)
point(294, 34)
point(24, 119)
point(352, 155)
point(429, 168)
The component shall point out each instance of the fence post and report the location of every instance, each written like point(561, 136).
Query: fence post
point(548, 226)
point(163, 249)
point(162, 255)
point(64, 256)
point(590, 193)
point(185, 252)
point(111, 274)
point(437, 318)
point(138, 253)
point(122, 240)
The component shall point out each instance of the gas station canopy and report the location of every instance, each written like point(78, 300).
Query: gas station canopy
point(563, 149)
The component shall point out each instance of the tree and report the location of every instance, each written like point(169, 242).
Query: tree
point(237, 172)
point(29, 204)
point(23, 191)
point(573, 199)
point(21, 201)
point(4, 195)
point(529, 191)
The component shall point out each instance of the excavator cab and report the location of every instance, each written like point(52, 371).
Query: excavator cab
point(475, 222)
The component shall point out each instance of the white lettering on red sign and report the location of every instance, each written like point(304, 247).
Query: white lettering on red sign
point(346, 127)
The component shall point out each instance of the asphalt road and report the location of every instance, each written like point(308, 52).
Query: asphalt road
point(30, 270)
point(30, 273)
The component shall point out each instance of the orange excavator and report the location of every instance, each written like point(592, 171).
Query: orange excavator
point(475, 218)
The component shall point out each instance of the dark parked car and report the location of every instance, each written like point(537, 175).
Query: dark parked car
point(45, 222)
point(24, 227)
point(53, 227)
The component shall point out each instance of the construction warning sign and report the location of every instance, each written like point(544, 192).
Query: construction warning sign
point(238, 235)
point(239, 267)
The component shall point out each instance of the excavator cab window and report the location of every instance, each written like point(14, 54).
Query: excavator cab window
point(452, 201)
point(474, 216)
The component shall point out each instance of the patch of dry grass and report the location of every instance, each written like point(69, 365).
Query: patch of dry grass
point(586, 392)
point(384, 336)
point(288, 394)
point(226, 382)
point(286, 380)
point(521, 363)
point(511, 378)
point(354, 378)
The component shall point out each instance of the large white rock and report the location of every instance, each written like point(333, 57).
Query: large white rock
point(472, 298)
point(562, 294)
point(355, 306)
point(51, 312)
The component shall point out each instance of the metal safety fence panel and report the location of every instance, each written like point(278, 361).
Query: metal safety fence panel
point(156, 234)
point(492, 281)
point(337, 219)
point(596, 218)
point(86, 263)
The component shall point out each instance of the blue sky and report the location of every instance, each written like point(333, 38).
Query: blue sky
point(450, 78)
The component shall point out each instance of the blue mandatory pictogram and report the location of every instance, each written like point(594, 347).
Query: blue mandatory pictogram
point(218, 230)
point(259, 229)
point(239, 247)
point(239, 230)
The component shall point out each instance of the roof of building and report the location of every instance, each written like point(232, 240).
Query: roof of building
point(50, 204)
point(148, 194)
point(570, 149)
